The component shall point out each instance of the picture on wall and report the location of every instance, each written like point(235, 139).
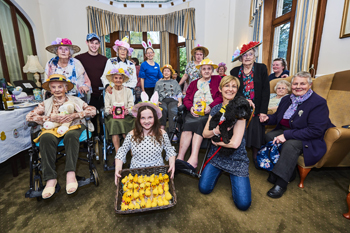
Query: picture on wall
point(345, 24)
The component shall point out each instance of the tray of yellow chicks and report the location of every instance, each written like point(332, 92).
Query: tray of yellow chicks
point(144, 189)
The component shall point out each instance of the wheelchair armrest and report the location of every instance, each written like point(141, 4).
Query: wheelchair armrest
point(181, 108)
point(32, 124)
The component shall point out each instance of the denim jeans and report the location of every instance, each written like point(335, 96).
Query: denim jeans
point(241, 192)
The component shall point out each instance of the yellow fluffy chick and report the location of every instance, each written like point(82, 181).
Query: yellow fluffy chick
point(124, 180)
point(146, 178)
point(137, 206)
point(148, 192)
point(136, 178)
point(148, 184)
point(160, 190)
point(124, 207)
point(136, 194)
point(166, 187)
point(165, 201)
point(131, 206)
point(142, 186)
point(130, 186)
point(151, 179)
point(166, 178)
point(124, 196)
point(149, 203)
point(142, 193)
point(137, 200)
point(168, 196)
point(132, 195)
point(156, 180)
point(127, 201)
point(140, 180)
point(136, 186)
point(155, 192)
point(160, 201)
point(143, 204)
point(125, 188)
point(154, 202)
point(128, 194)
point(130, 177)
point(153, 185)
point(160, 178)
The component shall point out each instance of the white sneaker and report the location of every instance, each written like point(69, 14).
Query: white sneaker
point(175, 139)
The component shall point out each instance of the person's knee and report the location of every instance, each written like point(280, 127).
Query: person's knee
point(243, 204)
point(204, 189)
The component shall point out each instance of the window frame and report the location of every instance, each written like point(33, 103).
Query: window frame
point(14, 12)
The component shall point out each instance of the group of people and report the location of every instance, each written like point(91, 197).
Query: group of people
point(301, 119)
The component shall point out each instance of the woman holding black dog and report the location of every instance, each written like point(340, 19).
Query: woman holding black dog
point(235, 163)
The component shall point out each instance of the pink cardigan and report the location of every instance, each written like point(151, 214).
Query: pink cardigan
point(214, 89)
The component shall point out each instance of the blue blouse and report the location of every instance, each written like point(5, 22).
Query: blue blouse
point(151, 74)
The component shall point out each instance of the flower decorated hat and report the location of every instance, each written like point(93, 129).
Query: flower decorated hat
point(153, 103)
point(168, 67)
point(57, 78)
point(206, 51)
point(121, 71)
point(221, 64)
point(207, 62)
point(245, 48)
point(62, 42)
point(123, 43)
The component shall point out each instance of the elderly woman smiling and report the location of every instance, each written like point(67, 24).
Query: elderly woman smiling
point(68, 66)
point(302, 120)
point(204, 89)
point(282, 89)
point(49, 139)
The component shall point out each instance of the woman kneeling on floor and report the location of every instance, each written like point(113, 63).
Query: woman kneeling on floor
point(147, 140)
point(237, 162)
point(47, 114)
point(118, 105)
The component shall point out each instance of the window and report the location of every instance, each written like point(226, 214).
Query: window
point(136, 39)
point(16, 42)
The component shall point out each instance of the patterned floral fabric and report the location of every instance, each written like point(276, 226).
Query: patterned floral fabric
point(147, 153)
point(192, 71)
point(38, 114)
point(74, 71)
point(248, 90)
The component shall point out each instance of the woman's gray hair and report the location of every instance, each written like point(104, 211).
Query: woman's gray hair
point(71, 50)
point(283, 82)
point(303, 74)
point(200, 70)
point(256, 53)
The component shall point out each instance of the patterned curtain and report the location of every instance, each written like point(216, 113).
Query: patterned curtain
point(255, 6)
point(189, 47)
point(164, 48)
point(181, 23)
point(303, 35)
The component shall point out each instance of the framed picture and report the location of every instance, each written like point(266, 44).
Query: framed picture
point(345, 23)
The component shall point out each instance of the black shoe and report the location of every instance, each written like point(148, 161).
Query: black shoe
point(276, 191)
point(272, 178)
point(184, 167)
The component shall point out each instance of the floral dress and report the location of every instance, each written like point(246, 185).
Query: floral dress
point(192, 71)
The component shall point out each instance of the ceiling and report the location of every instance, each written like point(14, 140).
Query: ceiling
point(143, 3)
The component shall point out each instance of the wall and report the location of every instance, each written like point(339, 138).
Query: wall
point(334, 52)
point(221, 25)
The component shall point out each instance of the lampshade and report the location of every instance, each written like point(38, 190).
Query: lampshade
point(33, 65)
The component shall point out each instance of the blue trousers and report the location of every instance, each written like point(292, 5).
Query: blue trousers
point(241, 191)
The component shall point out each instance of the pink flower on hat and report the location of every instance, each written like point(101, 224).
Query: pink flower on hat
point(66, 41)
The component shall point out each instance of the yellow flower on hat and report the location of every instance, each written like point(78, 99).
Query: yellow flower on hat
point(121, 70)
point(61, 79)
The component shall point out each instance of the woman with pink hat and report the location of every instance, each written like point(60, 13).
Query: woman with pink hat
point(123, 50)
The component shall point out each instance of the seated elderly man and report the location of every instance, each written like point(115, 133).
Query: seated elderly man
point(301, 121)
point(48, 111)
point(282, 89)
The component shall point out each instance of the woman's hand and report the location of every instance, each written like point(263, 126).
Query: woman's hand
point(118, 168)
point(69, 118)
point(284, 76)
point(56, 118)
point(263, 117)
point(279, 139)
point(179, 104)
point(172, 166)
point(109, 89)
point(159, 103)
point(83, 89)
point(216, 131)
point(126, 112)
point(193, 113)
point(251, 104)
point(110, 111)
point(207, 109)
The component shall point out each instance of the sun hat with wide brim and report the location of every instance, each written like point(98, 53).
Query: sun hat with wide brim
point(168, 67)
point(205, 50)
point(121, 71)
point(57, 78)
point(207, 62)
point(61, 42)
point(153, 103)
point(244, 49)
point(123, 43)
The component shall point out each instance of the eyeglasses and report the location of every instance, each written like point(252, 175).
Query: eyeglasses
point(251, 54)
point(123, 49)
point(149, 52)
point(281, 88)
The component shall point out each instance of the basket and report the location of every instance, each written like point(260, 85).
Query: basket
point(143, 171)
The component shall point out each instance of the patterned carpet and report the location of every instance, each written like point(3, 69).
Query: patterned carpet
point(316, 208)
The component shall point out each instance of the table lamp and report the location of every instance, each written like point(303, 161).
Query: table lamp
point(33, 66)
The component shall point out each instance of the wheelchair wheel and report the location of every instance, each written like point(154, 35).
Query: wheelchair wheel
point(96, 179)
point(36, 188)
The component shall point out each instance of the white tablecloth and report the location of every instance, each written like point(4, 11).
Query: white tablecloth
point(14, 126)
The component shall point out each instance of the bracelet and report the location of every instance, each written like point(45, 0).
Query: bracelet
point(215, 133)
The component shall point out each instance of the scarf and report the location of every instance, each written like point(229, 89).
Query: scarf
point(296, 101)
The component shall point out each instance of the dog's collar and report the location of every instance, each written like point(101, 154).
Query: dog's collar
point(223, 109)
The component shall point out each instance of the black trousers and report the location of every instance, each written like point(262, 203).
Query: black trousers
point(149, 91)
point(290, 152)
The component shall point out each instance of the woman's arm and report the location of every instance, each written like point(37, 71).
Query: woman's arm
point(183, 79)
point(170, 153)
point(238, 132)
point(37, 115)
point(108, 103)
point(130, 101)
point(118, 168)
point(210, 133)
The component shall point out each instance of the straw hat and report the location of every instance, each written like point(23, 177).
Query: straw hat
point(121, 71)
point(244, 49)
point(57, 78)
point(62, 42)
point(206, 51)
point(153, 103)
point(207, 62)
point(169, 67)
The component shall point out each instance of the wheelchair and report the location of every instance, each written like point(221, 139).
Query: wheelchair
point(35, 181)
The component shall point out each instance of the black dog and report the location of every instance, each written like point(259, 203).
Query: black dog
point(237, 108)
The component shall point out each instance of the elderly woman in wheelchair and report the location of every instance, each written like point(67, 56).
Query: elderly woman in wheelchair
point(68, 124)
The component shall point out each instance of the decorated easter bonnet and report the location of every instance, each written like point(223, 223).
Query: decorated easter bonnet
point(57, 78)
point(123, 43)
point(245, 48)
point(61, 42)
point(207, 62)
point(221, 64)
point(205, 50)
point(153, 103)
point(121, 71)
point(169, 67)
